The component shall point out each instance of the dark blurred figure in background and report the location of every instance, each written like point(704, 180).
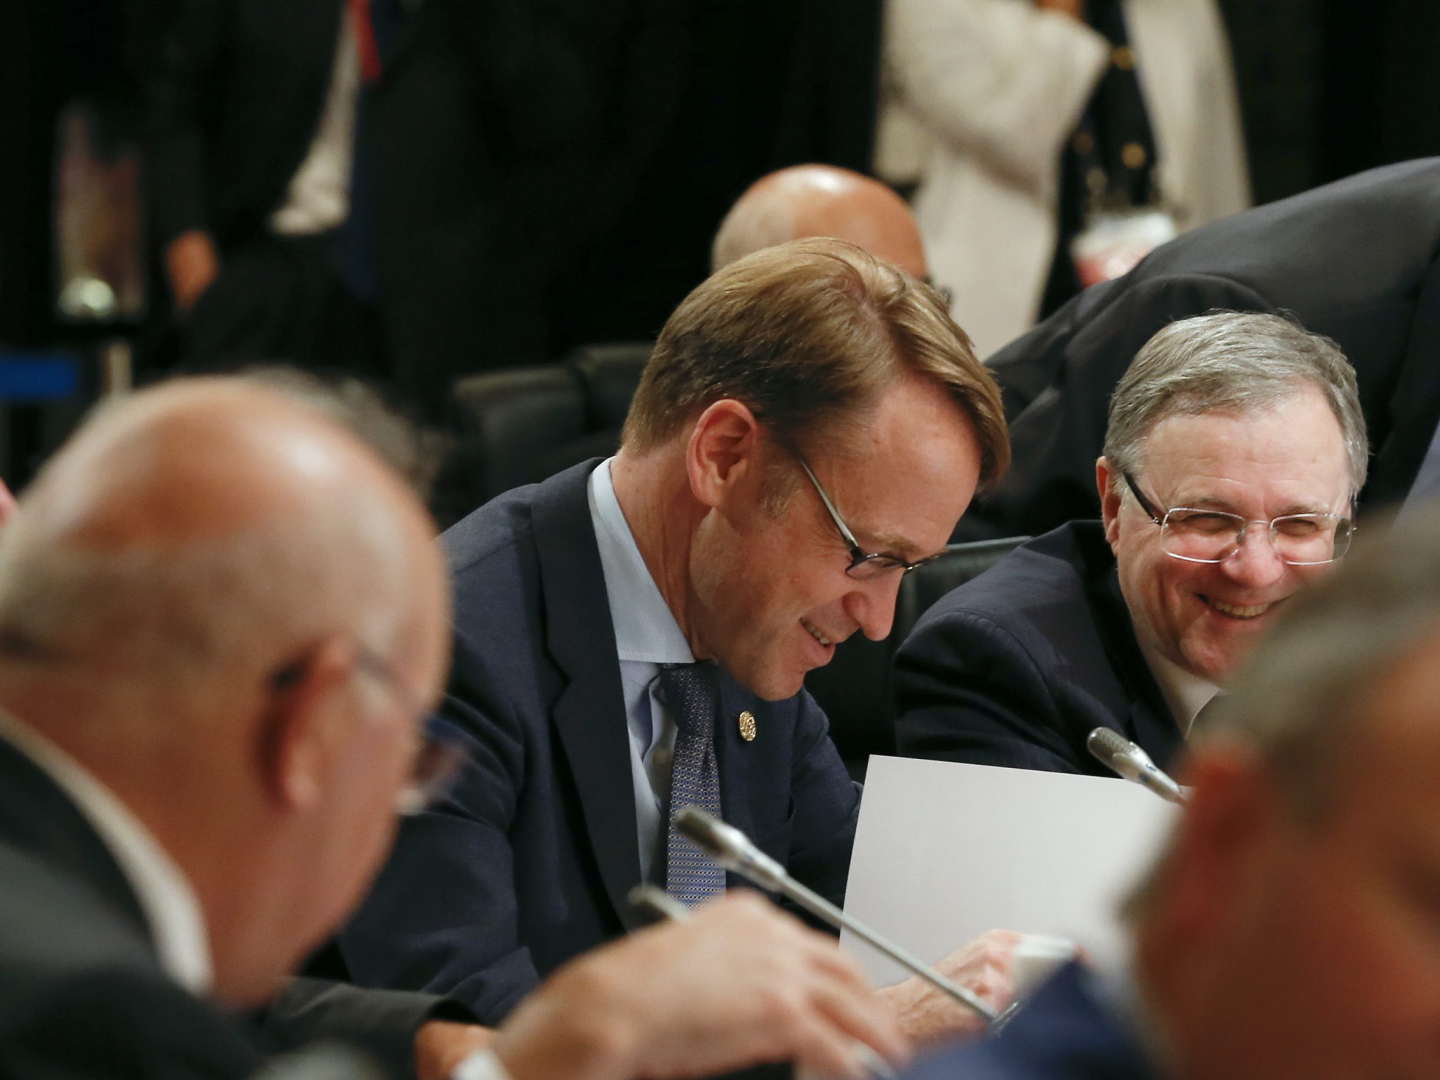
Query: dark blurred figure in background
point(378, 186)
point(735, 90)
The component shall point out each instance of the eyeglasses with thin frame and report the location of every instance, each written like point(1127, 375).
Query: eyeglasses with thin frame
point(439, 752)
point(863, 566)
point(1212, 536)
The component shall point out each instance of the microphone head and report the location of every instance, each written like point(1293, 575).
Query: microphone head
point(709, 833)
point(730, 847)
point(1109, 748)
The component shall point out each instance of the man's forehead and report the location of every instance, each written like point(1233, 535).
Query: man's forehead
point(1299, 443)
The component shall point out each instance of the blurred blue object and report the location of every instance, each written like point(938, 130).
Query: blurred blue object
point(38, 376)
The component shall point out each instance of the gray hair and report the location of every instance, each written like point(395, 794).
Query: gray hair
point(1230, 362)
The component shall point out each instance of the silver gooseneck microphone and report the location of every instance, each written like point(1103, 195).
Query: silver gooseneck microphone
point(733, 850)
point(1123, 757)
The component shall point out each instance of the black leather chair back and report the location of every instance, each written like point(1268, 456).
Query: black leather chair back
point(518, 425)
point(609, 374)
point(854, 688)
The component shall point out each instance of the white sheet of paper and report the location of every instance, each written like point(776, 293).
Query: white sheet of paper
point(945, 852)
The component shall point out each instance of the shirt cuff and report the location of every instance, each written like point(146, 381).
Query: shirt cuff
point(481, 1065)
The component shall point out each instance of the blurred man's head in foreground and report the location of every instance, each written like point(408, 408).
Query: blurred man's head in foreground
point(1293, 927)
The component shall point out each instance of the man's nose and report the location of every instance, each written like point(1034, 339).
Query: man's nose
point(872, 604)
point(1255, 562)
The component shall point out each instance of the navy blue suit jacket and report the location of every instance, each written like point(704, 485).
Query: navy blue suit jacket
point(530, 860)
point(1018, 666)
point(1062, 1033)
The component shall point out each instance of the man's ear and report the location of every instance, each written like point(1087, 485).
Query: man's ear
point(1108, 484)
point(1221, 838)
point(723, 450)
point(304, 725)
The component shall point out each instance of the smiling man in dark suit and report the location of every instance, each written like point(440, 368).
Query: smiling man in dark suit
point(1230, 436)
point(1289, 927)
point(633, 637)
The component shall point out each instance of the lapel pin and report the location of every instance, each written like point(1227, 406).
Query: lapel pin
point(747, 725)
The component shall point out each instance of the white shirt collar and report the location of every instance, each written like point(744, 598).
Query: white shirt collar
point(645, 627)
point(1185, 692)
point(177, 924)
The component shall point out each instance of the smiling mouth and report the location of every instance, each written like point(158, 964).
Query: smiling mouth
point(816, 634)
point(1236, 611)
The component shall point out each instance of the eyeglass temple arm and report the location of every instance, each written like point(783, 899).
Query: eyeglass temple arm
point(1145, 503)
point(829, 506)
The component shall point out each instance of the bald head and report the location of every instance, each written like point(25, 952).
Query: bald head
point(173, 527)
point(233, 615)
point(821, 200)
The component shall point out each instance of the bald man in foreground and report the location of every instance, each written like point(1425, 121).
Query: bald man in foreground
point(223, 622)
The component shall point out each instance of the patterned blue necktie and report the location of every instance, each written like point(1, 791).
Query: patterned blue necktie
point(692, 695)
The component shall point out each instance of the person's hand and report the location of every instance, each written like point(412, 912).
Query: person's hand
point(985, 966)
point(1074, 8)
point(440, 1045)
point(192, 263)
point(739, 984)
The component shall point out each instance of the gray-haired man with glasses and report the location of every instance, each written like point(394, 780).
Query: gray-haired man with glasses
point(1234, 450)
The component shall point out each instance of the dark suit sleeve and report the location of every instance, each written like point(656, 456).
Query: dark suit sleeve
point(443, 915)
point(381, 1023)
point(180, 94)
point(967, 690)
point(826, 806)
point(121, 1024)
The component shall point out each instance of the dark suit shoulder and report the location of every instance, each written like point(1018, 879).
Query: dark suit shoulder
point(1016, 667)
point(81, 993)
point(55, 925)
point(503, 523)
point(508, 521)
point(1064, 1032)
point(1038, 581)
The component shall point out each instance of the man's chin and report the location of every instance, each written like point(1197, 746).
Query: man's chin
point(771, 684)
point(1216, 662)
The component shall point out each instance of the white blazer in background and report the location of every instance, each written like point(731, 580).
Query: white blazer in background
point(995, 87)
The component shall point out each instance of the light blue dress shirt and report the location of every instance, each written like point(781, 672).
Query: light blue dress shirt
point(646, 636)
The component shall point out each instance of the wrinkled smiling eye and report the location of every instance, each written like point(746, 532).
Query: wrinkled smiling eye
point(1212, 536)
point(1202, 523)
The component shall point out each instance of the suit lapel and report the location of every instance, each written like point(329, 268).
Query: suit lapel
point(1151, 723)
point(589, 715)
point(736, 759)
